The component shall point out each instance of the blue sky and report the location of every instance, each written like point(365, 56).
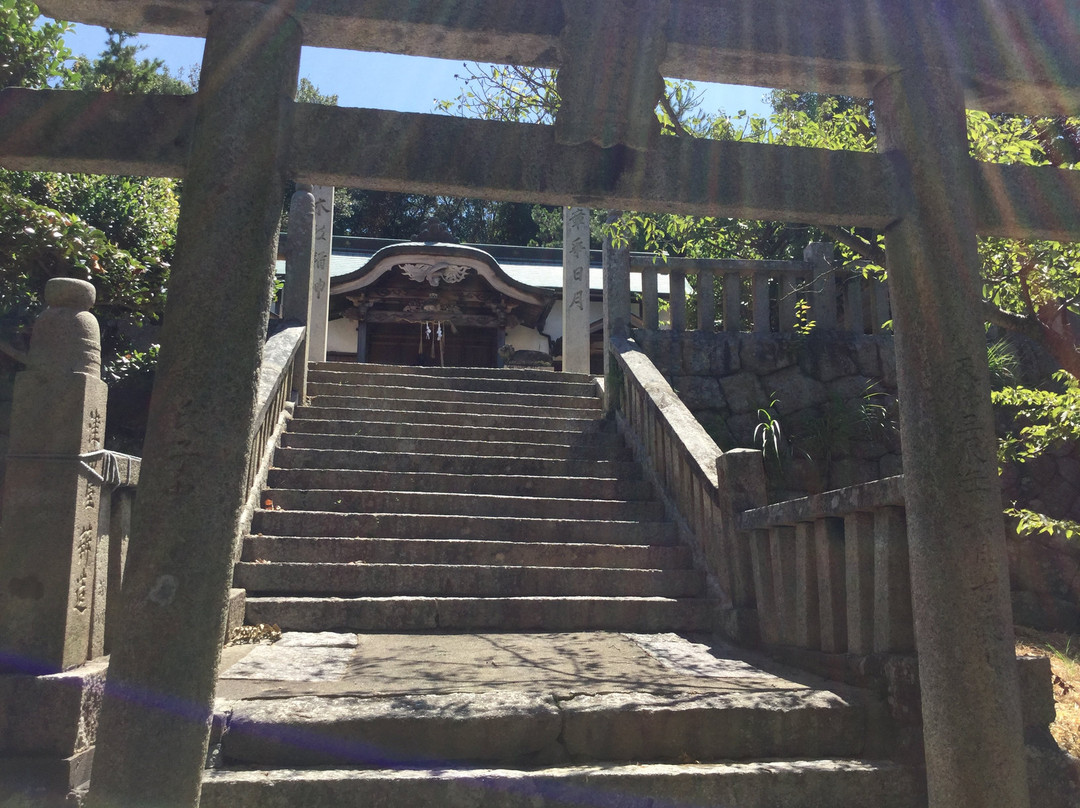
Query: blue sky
point(377, 80)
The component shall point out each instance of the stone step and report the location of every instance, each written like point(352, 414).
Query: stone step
point(361, 392)
point(440, 551)
point(523, 407)
point(441, 526)
point(397, 614)
point(552, 384)
point(451, 464)
point(524, 418)
point(443, 446)
point(516, 728)
point(836, 783)
point(523, 374)
point(405, 428)
point(423, 502)
point(551, 487)
point(447, 580)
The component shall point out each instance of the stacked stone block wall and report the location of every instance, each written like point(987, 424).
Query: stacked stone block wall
point(816, 386)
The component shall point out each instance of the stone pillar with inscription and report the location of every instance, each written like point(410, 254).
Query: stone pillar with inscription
point(49, 529)
point(575, 303)
point(320, 272)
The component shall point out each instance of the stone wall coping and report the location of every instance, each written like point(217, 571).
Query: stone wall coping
point(278, 352)
point(125, 470)
point(700, 448)
point(843, 501)
point(665, 266)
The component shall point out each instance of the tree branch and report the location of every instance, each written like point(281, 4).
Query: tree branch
point(1060, 343)
point(665, 103)
point(857, 244)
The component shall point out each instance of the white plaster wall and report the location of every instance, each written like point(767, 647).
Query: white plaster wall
point(554, 326)
point(527, 339)
point(341, 336)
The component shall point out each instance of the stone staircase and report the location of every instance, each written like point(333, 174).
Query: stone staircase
point(484, 604)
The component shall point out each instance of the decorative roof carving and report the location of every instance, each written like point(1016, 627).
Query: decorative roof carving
point(434, 273)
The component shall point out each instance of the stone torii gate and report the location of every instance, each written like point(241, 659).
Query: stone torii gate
point(237, 141)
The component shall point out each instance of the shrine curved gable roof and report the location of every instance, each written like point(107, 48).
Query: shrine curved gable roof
point(428, 260)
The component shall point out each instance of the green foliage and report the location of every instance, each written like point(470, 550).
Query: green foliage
point(840, 422)
point(308, 93)
point(505, 93)
point(769, 435)
point(117, 69)
point(1003, 363)
point(30, 55)
point(1029, 523)
point(121, 238)
point(1046, 418)
point(116, 232)
point(130, 365)
point(38, 243)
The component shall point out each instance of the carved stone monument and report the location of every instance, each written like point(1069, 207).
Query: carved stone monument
point(320, 272)
point(49, 529)
point(575, 303)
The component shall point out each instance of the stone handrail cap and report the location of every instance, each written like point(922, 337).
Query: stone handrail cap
point(70, 293)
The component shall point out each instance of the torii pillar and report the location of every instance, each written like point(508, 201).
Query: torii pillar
point(155, 719)
point(959, 574)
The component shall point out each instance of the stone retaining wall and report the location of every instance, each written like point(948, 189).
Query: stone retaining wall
point(819, 384)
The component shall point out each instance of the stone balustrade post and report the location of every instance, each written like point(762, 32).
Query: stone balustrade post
point(789, 302)
point(740, 484)
point(49, 529)
point(296, 297)
point(677, 300)
point(854, 319)
point(650, 299)
point(823, 307)
point(706, 301)
point(760, 283)
point(732, 304)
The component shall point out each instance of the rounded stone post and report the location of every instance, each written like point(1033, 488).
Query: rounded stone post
point(155, 717)
point(49, 528)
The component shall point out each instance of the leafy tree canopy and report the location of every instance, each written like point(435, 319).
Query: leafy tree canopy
point(118, 69)
point(116, 232)
point(30, 55)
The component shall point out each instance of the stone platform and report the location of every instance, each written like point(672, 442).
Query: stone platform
point(332, 664)
point(533, 719)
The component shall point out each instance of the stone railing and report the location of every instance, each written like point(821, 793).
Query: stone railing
point(831, 571)
point(836, 298)
point(827, 573)
point(280, 386)
point(118, 477)
point(687, 466)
